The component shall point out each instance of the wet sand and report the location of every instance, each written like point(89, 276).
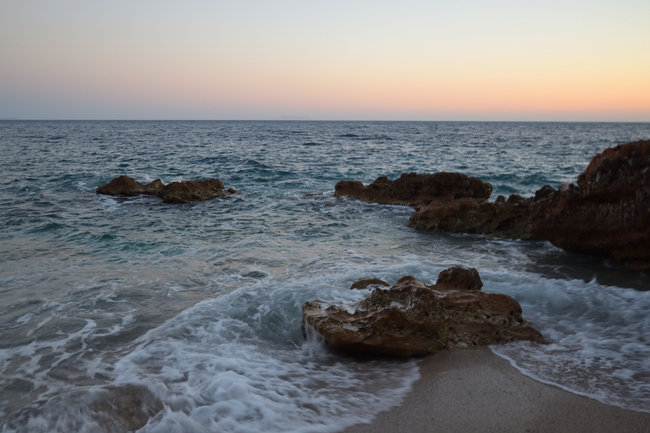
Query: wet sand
point(476, 391)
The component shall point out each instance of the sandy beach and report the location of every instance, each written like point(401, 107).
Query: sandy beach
point(476, 391)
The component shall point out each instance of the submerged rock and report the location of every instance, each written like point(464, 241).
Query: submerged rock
point(411, 318)
point(120, 408)
point(608, 213)
point(416, 189)
point(175, 192)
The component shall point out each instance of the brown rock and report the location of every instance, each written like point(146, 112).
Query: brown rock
point(459, 278)
point(448, 202)
point(175, 192)
point(416, 189)
point(365, 282)
point(504, 219)
point(607, 213)
point(122, 185)
point(412, 318)
point(188, 191)
point(153, 188)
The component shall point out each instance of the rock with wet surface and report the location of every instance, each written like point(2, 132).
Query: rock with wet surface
point(447, 202)
point(607, 213)
point(364, 283)
point(501, 218)
point(412, 318)
point(175, 192)
point(416, 189)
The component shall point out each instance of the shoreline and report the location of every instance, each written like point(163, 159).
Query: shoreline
point(474, 390)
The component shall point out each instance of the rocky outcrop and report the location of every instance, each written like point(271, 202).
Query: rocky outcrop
point(416, 189)
point(502, 218)
point(447, 202)
point(188, 191)
point(608, 213)
point(411, 318)
point(128, 186)
point(175, 192)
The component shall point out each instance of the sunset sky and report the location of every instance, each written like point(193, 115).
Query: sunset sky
point(561, 60)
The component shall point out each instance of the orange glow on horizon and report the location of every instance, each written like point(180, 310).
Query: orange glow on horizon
point(431, 61)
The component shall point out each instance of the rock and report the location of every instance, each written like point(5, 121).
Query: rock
point(459, 278)
point(365, 282)
point(544, 192)
point(607, 213)
point(153, 188)
point(416, 189)
point(175, 192)
point(501, 218)
point(447, 202)
point(122, 185)
point(411, 318)
point(189, 191)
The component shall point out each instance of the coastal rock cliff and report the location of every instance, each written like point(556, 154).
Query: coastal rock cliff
point(608, 213)
point(176, 192)
point(412, 318)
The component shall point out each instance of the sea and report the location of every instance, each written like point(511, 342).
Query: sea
point(127, 314)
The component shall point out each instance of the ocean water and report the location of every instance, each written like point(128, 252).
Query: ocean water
point(126, 313)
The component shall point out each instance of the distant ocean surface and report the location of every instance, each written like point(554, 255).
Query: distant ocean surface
point(187, 317)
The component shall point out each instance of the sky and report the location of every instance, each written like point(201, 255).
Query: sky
point(502, 60)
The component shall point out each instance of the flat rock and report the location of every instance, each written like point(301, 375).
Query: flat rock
point(412, 318)
point(175, 192)
point(607, 213)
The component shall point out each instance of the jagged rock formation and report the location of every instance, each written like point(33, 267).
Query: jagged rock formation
point(608, 213)
point(411, 318)
point(176, 192)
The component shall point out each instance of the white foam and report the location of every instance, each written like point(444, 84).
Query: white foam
point(239, 364)
point(598, 336)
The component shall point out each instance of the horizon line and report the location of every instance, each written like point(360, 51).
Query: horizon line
point(319, 120)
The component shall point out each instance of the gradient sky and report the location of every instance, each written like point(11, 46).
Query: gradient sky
point(326, 60)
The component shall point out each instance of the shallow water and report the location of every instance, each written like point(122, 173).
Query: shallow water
point(191, 313)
